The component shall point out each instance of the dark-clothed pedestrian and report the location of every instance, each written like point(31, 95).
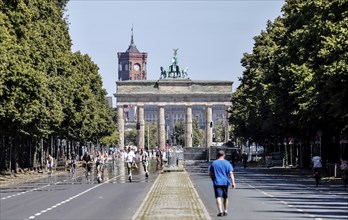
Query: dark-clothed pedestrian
point(221, 173)
point(159, 157)
point(87, 159)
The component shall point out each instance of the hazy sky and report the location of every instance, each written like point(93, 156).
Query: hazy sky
point(211, 35)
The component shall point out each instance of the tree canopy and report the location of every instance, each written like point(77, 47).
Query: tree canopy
point(45, 88)
point(295, 81)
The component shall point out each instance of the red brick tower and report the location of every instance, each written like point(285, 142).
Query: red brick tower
point(132, 63)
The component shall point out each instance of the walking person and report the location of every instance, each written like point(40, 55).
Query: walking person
point(145, 161)
point(159, 159)
point(221, 173)
point(316, 165)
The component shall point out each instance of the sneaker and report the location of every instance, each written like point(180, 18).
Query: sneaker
point(220, 214)
point(225, 213)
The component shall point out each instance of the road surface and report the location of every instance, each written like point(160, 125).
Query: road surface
point(263, 193)
point(69, 197)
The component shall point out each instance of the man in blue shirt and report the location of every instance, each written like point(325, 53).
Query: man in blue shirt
point(221, 173)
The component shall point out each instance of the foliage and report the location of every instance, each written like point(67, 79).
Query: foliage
point(45, 88)
point(151, 134)
point(110, 140)
point(219, 132)
point(295, 79)
point(180, 133)
point(130, 137)
point(197, 133)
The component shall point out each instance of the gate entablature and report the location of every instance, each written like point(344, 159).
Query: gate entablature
point(173, 92)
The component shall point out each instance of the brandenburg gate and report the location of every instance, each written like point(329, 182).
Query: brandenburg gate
point(173, 88)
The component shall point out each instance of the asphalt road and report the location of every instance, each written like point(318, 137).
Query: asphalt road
point(73, 197)
point(263, 193)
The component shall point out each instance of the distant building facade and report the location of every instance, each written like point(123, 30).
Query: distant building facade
point(132, 65)
point(176, 114)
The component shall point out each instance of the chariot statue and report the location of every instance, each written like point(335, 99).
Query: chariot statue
point(174, 69)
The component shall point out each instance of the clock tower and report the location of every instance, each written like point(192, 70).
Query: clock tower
point(132, 63)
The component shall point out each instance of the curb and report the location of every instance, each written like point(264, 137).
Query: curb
point(141, 213)
point(136, 214)
point(205, 211)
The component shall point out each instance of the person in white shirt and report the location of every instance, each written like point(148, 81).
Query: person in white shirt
point(50, 163)
point(316, 165)
point(130, 159)
point(316, 162)
point(145, 160)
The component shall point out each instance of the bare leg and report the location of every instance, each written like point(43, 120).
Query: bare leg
point(219, 203)
point(225, 204)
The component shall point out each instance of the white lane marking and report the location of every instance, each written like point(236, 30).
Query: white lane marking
point(69, 199)
point(282, 202)
point(21, 193)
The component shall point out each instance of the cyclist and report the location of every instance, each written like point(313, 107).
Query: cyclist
point(99, 163)
point(87, 159)
point(130, 159)
point(99, 160)
point(145, 160)
point(49, 160)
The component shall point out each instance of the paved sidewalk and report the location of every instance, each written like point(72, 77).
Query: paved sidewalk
point(172, 196)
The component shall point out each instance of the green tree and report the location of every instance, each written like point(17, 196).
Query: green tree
point(110, 140)
point(180, 133)
point(219, 131)
point(295, 80)
point(45, 89)
point(151, 135)
point(130, 137)
point(198, 134)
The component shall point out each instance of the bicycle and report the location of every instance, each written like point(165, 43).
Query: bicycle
point(87, 170)
point(50, 168)
point(100, 172)
point(73, 166)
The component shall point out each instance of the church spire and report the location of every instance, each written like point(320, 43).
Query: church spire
point(132, 38)
point(132, 48)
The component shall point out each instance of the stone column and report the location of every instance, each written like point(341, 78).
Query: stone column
point(161, 128)
point(120, 125)
point(227, 124)
point(209, 126)
point(140, 126)
point(188, 134)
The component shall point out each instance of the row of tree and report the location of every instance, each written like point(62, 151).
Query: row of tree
point(46, 90)
point(295, 82)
